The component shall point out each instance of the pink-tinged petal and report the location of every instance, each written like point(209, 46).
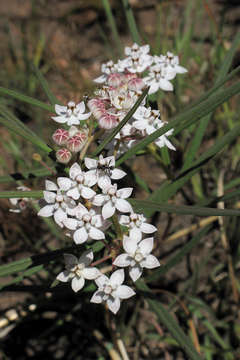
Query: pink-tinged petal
point(101, 79)
point(98, 200)
point(70, 260)
point(104, 181)
point(96, 234)
point(59, 216)
point(81, 107)
point(77, 283)
point(123, 206)
point(122, 260)
point(80, 236)
point(124, 292)
point(108, 210)
point(50, 186)
point(74, 170)
point(135, 234)
point(135, 272)
point(165, 85)
point(124, 193)
point(74, 193)
point(46, 211)
point(59, 119)
point(97, 297)
point(146, 246)
point(90, 163)
point(118, 174)
point(70, 224)
point(87, 193)
point(113, 304)
point(91, 273)
point(60, 110)
point(130, 246)
point(150, 262)
point(86, 258)
point(117, 278)
point(102, 280)
point(64, 276)
point(49, 197)
point(147, 228)
point(64, 183)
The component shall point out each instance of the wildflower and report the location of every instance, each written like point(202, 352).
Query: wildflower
point(137, 225)
point(60, 136)
point(71, 114)
point(137, 256)
point(63, 155)
point(171, 62)
point(77, 270)
point(158, 78)
point(112, 291)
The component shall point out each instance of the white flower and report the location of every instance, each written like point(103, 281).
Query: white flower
point(113, 199)
point(158, 78)
point(79, 183)
point(77, 270)
point(138, 64)
point(107, 69)
point(111, 290)
point(58, 204)
point(137, 256)
point(171, 62)
point(103, 170)
point(135, 49)
point(137, 225)
point(86, 225)
point(71, 114)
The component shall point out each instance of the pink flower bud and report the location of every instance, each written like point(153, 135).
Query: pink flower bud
point(114, 79)
point(76, 143)
point(60, 136)
point(108, 121)
point(136, 84)
point(63, 156)
point(128, 76)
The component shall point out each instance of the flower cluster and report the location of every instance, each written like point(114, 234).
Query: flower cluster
point(88, 202)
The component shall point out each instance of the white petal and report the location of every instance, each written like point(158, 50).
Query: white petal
point(64, 183)
point(50, 186)
point(124, 193)
point(146, 246)
point(49, 197)
point(87, 193)
point(135, 234)
point(59, 119)
point(70, 260)
point(84, 116)
point(180, 69)
point(117, 174)
point(150, 262)
point(90, 163)
point(86, 258)
point(122, 260)
point(71, 224)
point(101, 79)
point(78, 283)
point(102, 280)
point(96, 234)
point(74, 170)
point(91, 273)
point(124, 292)
point(90, 178)
point(74, 193)
point(60, 110)
point(59, 216)
point(113, 304)
point(123, 206)
point(46, 211)
point(117, 277)
point(153, 88)
point(104, 181)
point(97, 297)
point(64, 276)
point(147, 228)
point(108, 210)
point(165, 85)
point(124, 220)
point(81, 107)
point(129, 245)
point(80, 236)
point(135, 272)
point(98, 200)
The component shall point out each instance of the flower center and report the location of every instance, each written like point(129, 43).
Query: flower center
point(108, 289)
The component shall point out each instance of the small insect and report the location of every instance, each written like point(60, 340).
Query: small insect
point(105, 169)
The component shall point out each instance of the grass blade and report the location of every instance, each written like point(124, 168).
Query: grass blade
point(113, 26)
point(131, 22)
point(51, 97)
point(35, 194)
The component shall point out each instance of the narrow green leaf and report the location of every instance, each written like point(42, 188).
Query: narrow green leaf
point(21, 194)
point(19, 278)
point(142, 205)
point(121, 124)
point(25, 175)
point(131, 22)
point(51, 97)
point(113, 26)
point(17, 95)
point(167, 320)
point(190, 116)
